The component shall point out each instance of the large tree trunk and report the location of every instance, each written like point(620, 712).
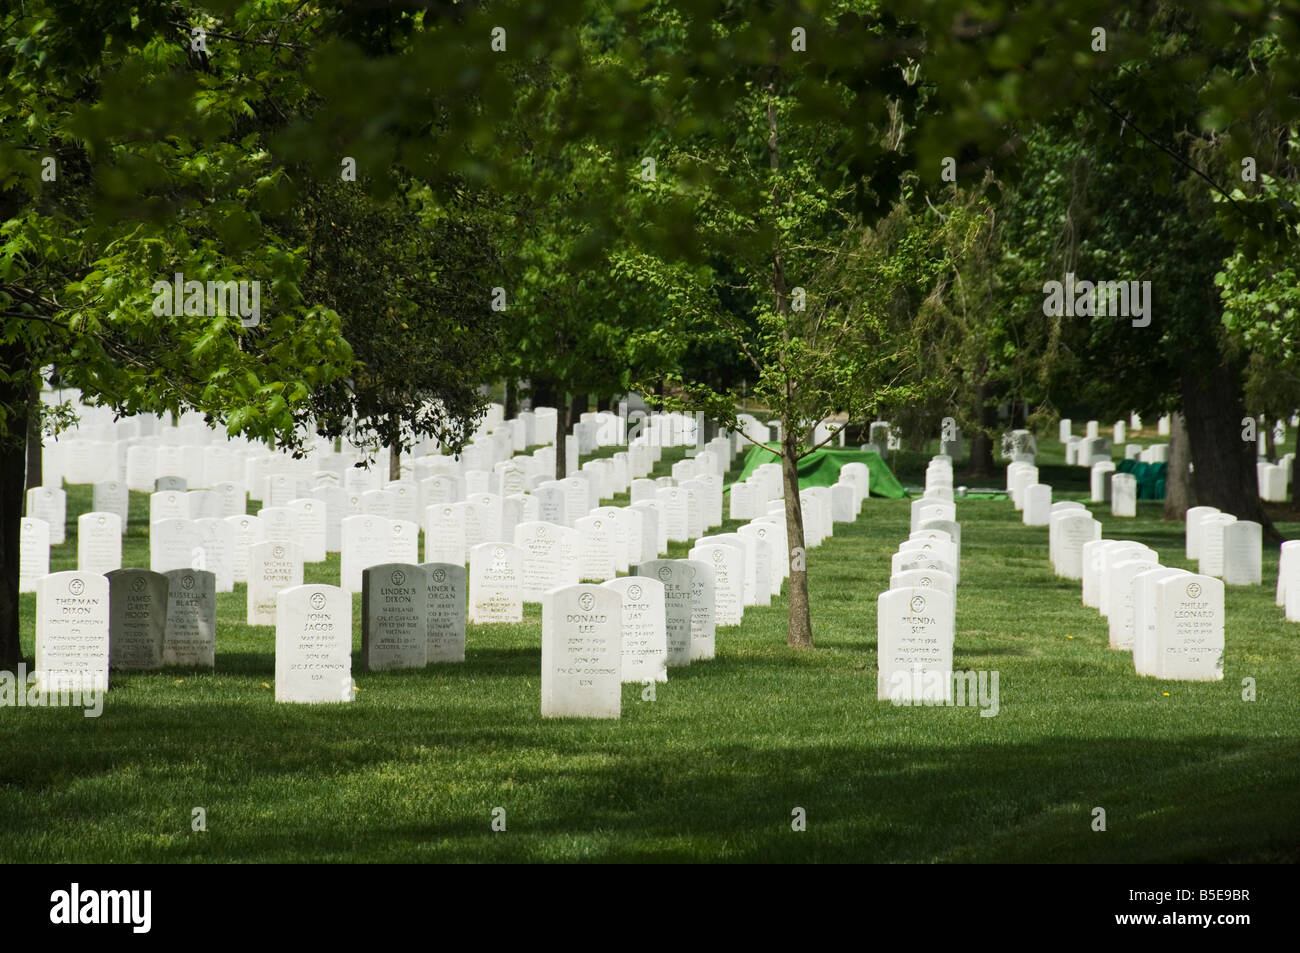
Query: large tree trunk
point(578, 404)
point(35, 450)
point(13, 462)
point(394, 463)
point(1224, 464)
point(543, 393)
point(512, 397)
point(14, 395)
point(980, 462)
point(800, 616)
point(561, 444)
point(1295, 479)
point(1178, 482)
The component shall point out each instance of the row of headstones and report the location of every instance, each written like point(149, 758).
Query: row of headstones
point(1174, 631)
point(1224, 546)
point(415, 614)
point(764, 485)
point(153, 619)
point(1092, 448)
point(594, 637)
point(275, 565)
point(1174, 627)
point(404, 499)
point(1175, 635)
point(204, 457)
point(174, 540)
point(1092, 428)
point(140, 620)
point(128, 619)
point(1034, 499)
point(916, 615)
point(129, 452)
point(283, 567)
point(138, 450)
point(1084, 452)
point(1274, 479)
point(938, 478)
point(1171, 620)
point(232, 551)
point(146, 630)
point(263, 479)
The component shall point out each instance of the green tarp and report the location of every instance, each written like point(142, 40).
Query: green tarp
point(822, 468)
point(1150, 477)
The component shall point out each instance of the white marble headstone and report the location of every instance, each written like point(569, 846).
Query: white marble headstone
point(914, 645)
point(313, 644)
point(1243, 553)
point(645, 636)
point(72, 621)
point(1123, 495)
point(727, 561)
point(99, 542)
point(1189, 619)
point(273, 567)
point(33, 552)
point(581, 652)
point(495, 590)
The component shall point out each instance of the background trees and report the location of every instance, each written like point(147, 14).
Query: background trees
point(410, 277)
point(505, 146)
point(127, 156)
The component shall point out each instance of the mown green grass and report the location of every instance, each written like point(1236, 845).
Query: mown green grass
point(712, 768)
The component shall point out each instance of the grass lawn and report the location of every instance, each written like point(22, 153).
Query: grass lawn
point(713, 766)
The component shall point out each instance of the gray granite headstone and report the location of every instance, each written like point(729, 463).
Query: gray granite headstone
point(394, 617)
point(446, 612)
point(137, 619)
point(190, 638)
point(677, 577)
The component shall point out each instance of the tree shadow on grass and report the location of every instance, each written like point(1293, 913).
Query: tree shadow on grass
point(592, 796)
